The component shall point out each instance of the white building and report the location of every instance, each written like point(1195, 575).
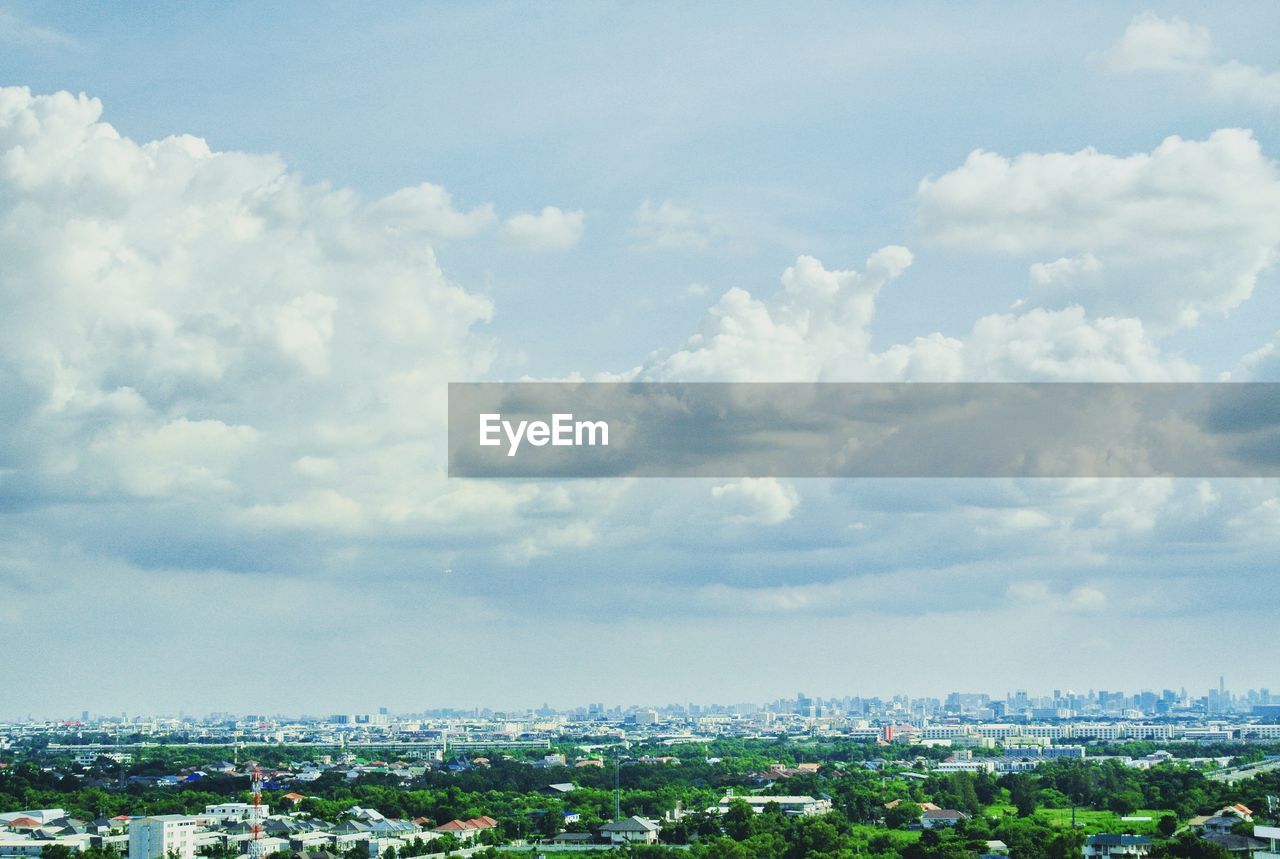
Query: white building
point(40, 815)
point(633, 830)
point(231, 812)
point(1103, 846)
point(979, 765)
point(804, 806)
point(161, 836)
point(1270, 834)
point(23, 846)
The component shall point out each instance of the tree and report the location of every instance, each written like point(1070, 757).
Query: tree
point(738, 820)
point(1022, 793)
point(902, 815)
point(1167, 825)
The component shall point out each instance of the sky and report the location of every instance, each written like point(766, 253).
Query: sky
point(244, 249)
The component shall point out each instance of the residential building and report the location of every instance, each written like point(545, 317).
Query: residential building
point(633, 830)
point(163, 836)
point(942, 818)
point(1271, 836)
point(804, 806)
point(1106, 845)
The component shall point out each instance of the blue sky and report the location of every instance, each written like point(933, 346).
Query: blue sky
point(227, 371)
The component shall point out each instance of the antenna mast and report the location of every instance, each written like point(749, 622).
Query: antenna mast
point(255, 816)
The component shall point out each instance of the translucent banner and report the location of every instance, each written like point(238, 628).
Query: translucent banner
point(554, 430)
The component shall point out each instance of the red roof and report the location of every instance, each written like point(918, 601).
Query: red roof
point(23, 823)
point(454, 826)
point(484, 822)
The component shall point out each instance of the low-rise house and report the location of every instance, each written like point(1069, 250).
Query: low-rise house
point(942, 818)
point(1107, 844)
point(558, 789)
point(633, 830)
point(1233, 843)
point(466, 830)
point(1220, 824)
point(803, 806)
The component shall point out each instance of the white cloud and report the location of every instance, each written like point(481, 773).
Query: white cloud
point(552, 229)
point(1164, 236)
point(1260, 365)
point(1065, 270)
point(818, 328)
point(668, 226)
point(179, 319)
point(757, 500)
point(427, 210)
point(1233, 80)
point(15, 30)
point(1154, 44)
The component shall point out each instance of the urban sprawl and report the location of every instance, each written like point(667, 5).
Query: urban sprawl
point(1096, 774)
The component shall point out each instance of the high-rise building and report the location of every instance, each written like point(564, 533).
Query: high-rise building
point(162, 837)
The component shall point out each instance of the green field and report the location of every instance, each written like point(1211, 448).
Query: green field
point(1093, 821)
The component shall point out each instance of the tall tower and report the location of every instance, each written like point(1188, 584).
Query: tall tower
point(255, 816)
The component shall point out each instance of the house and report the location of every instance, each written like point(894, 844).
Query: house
point(802, 806)
point(466, 830)
point(633, 830)
point(559, 789)
point(924, 806)
point(573, 838)
point(1220, 824)
point(1106, 844)
point(942, 818)
point(1237, 843)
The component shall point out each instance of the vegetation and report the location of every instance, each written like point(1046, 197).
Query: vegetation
point(876, 807)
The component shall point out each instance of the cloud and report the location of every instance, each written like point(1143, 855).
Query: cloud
point(427, 210)
point(818, 328)
point(550, 230)
point(1260, 365)
point(668, 226)
point(1152, 43)
point(182, 320)
point(1171, 45)
point(15, 30)
point(814, 330)
point(756, 501)
point(1081, 599)
point(1163, 236)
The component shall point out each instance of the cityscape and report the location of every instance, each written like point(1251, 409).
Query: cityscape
point(1015, 774)
point(652, 430)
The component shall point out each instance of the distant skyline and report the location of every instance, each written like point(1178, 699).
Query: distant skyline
point(244, 249)
point(1192, 693)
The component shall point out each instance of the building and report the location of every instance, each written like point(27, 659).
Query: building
point(466, 830)
point(230, 812)
point(963, 765)
point(633, 830)
point(1105, 845)
point(1271, 836)
point(163, 836)
point(803, 806)
point(942, 818)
